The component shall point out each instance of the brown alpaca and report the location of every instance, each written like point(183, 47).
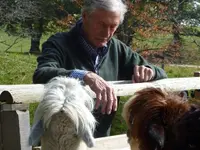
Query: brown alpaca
point(158, 120)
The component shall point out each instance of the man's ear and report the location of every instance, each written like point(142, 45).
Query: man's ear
point(157, 133)
point(84, 16)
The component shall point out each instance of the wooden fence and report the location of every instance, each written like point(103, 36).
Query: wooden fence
point(15, 99)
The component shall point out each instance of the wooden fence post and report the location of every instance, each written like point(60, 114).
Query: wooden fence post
point(197, 92)
point(14, 124)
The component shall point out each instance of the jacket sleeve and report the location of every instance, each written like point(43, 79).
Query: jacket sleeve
point(131, 58)
point(50, 63)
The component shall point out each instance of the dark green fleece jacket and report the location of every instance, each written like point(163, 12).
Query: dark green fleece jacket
point(62, 53)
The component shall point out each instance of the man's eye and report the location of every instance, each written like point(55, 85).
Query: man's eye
point(114, 26)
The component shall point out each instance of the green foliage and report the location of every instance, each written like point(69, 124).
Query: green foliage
point(161, 26)
point(71, 7)
point(25, 18)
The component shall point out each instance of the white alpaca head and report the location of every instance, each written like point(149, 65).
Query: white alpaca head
point(65, 96)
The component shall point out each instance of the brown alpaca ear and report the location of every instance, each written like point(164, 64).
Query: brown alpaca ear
point(157, 134)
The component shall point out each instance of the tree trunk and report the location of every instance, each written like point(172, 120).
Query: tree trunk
point(176, 33)
point(124, 32)
point(176, 23)
point(36, 36)
point(35, 43)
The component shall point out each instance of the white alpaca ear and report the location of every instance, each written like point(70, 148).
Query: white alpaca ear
point(88, 138)
point(36, 132)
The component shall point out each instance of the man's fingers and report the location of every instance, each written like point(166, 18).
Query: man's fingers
point(110, 101)
point(104, 101)
point(148, 74)
point(136, 74)
point(115, 102)
point(141, 70)
point(142, 74)
point(98, 100)
point(104, 93)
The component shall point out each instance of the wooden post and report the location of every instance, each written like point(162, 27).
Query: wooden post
point(197, 92)
point(14, 126)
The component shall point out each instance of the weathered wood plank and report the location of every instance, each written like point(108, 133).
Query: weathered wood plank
point(170, 84)
point(32, 92)
point(116, 142)
point(15, 127)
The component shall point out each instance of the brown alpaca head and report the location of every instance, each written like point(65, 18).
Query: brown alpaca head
point(150, 115)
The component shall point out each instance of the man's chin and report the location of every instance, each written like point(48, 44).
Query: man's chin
point(102, 44)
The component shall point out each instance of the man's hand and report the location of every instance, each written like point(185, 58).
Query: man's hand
point(142, 74)
point(104, 92)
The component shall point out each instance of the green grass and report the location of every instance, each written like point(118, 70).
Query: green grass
point(17, 67)
point(153, 42)
point(32, 108)
point(175, 72)
point(118, 126)
point(22, 45)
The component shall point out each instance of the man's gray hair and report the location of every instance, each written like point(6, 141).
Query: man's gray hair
point(109, 5)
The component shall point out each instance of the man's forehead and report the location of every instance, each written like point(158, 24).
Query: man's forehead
point(105, 15)
point(104, 11)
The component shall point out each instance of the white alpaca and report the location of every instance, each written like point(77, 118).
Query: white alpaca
point(63, 119)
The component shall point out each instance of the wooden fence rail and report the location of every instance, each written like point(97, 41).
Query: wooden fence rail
point(32, 92)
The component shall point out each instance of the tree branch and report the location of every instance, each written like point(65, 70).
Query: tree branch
point(11, 45)
point(3, 42)
point(196, 43)
point(147, 49)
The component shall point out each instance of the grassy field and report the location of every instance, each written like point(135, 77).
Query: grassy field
point(17, 67)
point(22, 44)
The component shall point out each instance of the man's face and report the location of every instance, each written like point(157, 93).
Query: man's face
point(99, 26)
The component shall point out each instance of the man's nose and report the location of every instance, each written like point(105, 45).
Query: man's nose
point(106, 32)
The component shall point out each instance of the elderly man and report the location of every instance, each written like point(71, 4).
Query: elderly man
point(90, 53)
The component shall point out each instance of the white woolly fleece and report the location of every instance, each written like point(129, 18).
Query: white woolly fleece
point(68, 96)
